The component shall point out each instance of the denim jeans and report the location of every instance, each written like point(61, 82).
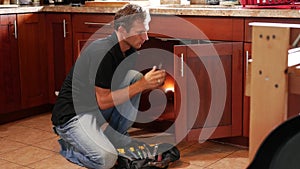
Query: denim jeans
point(84, 142)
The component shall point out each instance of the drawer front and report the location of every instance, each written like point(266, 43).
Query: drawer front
point(248, 29)
point(189, 27)
point(91, 23)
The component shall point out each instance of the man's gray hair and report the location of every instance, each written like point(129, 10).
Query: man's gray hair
point(129, 14)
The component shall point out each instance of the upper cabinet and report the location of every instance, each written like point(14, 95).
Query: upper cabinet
point(59, 50)
point(10, 96)
point(33, 59)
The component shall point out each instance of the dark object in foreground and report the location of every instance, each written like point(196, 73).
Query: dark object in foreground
point(143, 156)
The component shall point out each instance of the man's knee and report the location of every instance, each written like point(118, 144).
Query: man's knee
point(110, 159)
point(105, 160)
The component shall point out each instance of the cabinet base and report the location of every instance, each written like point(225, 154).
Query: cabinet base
point(17, 115)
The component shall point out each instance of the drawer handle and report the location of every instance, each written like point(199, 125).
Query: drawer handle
point(97, 23)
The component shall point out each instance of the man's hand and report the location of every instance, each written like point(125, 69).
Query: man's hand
point(155, 78)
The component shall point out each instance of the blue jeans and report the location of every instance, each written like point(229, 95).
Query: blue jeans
point(84, 142)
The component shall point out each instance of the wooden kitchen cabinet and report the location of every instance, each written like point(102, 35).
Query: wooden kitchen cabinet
point(10, 96)
point(33, 59)
point(59, 50)
point(208, 66)
point(194, 27)
point(89, 27)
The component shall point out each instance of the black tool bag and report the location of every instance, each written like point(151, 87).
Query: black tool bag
point(143, 156)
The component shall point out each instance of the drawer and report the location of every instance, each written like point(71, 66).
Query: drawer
point(248, 29)
point(191, 27)
point(91, 23)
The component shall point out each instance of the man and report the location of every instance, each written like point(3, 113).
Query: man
point(95, 93)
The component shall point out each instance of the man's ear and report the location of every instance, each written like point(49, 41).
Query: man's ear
point(121, 29)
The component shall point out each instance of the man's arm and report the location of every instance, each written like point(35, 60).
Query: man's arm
point(107, 99)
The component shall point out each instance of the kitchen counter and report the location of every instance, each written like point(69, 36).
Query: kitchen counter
point(192, 10)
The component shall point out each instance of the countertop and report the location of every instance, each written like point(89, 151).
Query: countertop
point(193, 10)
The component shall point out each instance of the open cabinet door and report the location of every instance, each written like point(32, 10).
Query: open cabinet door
point(208, 90)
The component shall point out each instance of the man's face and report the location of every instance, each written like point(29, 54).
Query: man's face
point(137, 35)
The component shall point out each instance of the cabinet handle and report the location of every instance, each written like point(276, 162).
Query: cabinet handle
point(56, 93)
point(247, 60)
point(181, 64)
point(64, 28)
point(16, 31)
point(97, 23)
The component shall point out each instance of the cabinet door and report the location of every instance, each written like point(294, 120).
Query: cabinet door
point(9, 65)
point(215, 111)
point(33, 60)
point(246, 107)
point(59, 50)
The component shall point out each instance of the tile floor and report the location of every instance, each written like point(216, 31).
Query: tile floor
point(30, 143)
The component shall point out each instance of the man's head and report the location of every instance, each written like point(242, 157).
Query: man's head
point(131, 24)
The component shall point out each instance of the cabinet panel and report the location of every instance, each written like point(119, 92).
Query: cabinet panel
point(81, 40)
point(189, 27)
point(9, 65)
point(89, 27)
point(248, 29)
point(33, 59)
point(59, 50)
point(207, 62)
point(92, 23)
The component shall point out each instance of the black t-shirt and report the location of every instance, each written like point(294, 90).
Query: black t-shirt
point(95, 67)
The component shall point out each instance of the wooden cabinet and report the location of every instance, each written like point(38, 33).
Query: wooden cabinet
point(59, 50)
point(33, 59)
point(10, 96)
point(195, 27)
point(89, 27)
point(215, 72)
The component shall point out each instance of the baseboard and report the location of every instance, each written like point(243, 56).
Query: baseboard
point(17, 115)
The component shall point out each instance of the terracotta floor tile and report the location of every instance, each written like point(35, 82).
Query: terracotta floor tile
point(2, 162)
point(11, 129)
point(9, 165)
point(42, 122)
point(230, 163)
point(201, 156)
point(221, 147)
point(184, 145)
point(9, 145)
point(54, 162)
point(30, 136)
point(30, 143)
point(241, 153)
point(26, 155)
point(180, 164)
